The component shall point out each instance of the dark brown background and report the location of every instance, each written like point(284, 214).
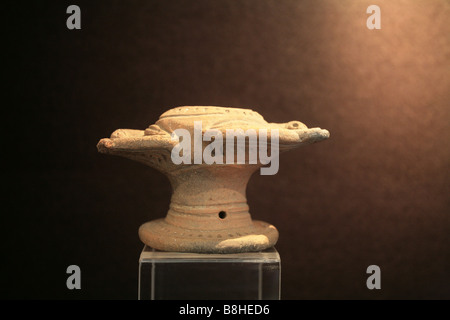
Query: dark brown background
point(377, 192)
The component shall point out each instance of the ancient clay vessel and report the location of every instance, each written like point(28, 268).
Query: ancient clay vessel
point(208, 211)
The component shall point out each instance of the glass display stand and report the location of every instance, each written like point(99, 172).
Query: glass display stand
point(193, 276)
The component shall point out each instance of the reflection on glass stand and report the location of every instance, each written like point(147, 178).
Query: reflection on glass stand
point(191, 276)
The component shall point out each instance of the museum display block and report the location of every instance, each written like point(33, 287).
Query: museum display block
point(167, 275)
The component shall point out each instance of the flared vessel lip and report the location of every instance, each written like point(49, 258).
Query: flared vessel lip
point(158, 137)
point(207, 110)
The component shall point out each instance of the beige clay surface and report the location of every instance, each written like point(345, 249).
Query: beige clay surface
point(208, 212)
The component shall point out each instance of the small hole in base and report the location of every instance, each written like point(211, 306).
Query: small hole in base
point(222, 214)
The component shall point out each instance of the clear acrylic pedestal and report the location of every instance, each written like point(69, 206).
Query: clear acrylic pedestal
point(193, 276)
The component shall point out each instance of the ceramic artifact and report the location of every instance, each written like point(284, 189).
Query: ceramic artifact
point(208, 212)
